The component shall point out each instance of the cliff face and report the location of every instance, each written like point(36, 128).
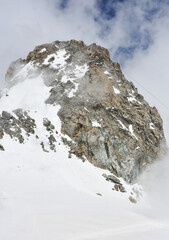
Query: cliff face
point(103, 117)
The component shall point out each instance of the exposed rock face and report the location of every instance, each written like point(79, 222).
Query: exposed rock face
point(108, 121)
point(13, 126)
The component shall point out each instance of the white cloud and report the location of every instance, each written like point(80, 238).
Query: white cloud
point(135, 27)
point(150, 69)
point(24, 24)
point(142, 25)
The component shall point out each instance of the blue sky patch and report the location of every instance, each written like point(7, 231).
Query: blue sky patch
point(63, 4)
point(107, 8)
point(124, 53)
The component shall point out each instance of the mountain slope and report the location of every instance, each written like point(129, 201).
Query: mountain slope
point(65, 104)
point(48, 196)
point(106, 120)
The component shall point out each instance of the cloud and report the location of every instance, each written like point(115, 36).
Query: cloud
point(24, 24)
point(121, 26)
point(135, 32)
point(156, 183)
point(132, 28)
point(149, 71)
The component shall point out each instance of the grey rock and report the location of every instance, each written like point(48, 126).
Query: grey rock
point(122, 188)
point(1, 148)
point(119, 187)
point(133, 200)
point(1, 134)
point(108, 121)
point(46, 122)
point(43, 147)
point(6, 115)
point(111, 178)
point(13, 126)
point(49, 126)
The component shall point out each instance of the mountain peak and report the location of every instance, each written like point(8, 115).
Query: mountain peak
point(103, 117)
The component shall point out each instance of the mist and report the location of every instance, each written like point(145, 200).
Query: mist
point(136, 36)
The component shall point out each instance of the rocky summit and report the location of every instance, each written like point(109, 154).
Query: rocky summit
point(103, 117)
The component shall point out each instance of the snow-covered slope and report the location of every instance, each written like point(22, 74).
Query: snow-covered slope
point(109, 123)
point(48, 193)
point(48, 196)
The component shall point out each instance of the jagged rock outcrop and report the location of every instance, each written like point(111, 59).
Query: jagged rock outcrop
point(108, 122)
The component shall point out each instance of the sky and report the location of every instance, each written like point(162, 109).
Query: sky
point(135, 32)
